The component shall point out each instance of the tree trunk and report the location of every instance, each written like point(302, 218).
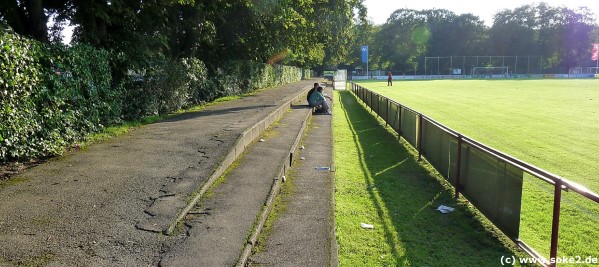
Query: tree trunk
point(37, 20)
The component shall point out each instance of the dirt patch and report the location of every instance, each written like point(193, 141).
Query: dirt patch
point(10, 169)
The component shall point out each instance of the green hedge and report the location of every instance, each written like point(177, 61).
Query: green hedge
point(168, 86)
point(20, 77)
point(239, 77)
point(53, 96)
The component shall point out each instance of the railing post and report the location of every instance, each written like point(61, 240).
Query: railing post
point(378, 104)
point(458, 167)
point(557, 198)
point(399, 108)
point(419, 137)
point(363, 94)
point(386, 112)
point(370, 100)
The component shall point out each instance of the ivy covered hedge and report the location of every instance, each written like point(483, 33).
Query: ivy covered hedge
point(239, 77)
point(53, 96)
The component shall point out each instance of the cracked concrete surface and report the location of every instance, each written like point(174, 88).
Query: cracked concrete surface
point(82, 209)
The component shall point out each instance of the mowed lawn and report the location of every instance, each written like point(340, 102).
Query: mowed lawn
point(379, 181)
point(553, 124)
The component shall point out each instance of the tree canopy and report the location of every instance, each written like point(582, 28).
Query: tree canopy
point(562, 37)
point(304, 33)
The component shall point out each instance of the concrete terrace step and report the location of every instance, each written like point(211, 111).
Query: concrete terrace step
point(174, 195)
point(304, 235)
point(218, 231)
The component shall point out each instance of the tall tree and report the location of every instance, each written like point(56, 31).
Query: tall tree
point(364, 34)
point(402, 40)
point(560, 35)
point(28, 17)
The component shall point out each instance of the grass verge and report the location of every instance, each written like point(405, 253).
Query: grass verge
point(380, 182)
point(550, 123)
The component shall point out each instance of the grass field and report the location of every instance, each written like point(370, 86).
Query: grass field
point(379, 181)
point(553, 124)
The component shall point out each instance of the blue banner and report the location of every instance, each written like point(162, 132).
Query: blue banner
point(364, 54)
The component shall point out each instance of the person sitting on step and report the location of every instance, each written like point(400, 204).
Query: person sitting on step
point(316, 85)
point(317, 99)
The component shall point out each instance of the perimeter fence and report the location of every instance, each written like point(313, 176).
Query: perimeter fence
point(465, 65)
point(489, 179)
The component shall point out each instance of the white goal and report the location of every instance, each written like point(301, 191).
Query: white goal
point(583, 70)
point(490, 72)
point(575, 70)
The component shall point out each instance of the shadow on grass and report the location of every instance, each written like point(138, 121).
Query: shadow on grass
point(406, 194)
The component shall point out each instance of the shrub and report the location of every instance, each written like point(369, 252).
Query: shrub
point(21, 74)
point(51, 96)
point(166, 87)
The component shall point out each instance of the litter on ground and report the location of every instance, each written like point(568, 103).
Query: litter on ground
point(367, 226)
point(445, 209)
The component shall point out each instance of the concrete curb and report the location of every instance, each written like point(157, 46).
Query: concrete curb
point(268, 205)
point(333, 236)
point(243, 141)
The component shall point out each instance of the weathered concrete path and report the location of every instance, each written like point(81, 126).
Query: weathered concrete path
point(88, 208)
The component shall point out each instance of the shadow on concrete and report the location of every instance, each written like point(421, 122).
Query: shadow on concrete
point(214, 112)
point(300, 106)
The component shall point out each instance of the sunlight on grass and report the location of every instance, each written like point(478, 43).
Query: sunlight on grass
point(552, 124)
point(380, 182)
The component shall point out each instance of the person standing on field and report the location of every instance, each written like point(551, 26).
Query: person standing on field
point(389, 79)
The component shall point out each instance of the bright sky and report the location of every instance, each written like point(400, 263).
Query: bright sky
point(379, 10)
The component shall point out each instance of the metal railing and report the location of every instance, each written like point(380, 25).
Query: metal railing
point(465, 163)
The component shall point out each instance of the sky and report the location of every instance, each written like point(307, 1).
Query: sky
point(379, 10)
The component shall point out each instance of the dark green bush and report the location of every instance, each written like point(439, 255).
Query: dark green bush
point(201, 89)
point(246, 76)
point(21, 74)
point(166, 87)
point(53, 96)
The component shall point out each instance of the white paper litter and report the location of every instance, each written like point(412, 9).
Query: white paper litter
point(445, 209)
point(302, 147)
point(262, 140)
point(367, 226)
point(302, 158)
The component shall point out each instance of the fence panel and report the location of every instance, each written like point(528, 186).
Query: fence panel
point(368, 95)
point(393, 119)
point(494, 187)
point(375, 103)
point(440, 149)
point(382, 112)
point(408, 126)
